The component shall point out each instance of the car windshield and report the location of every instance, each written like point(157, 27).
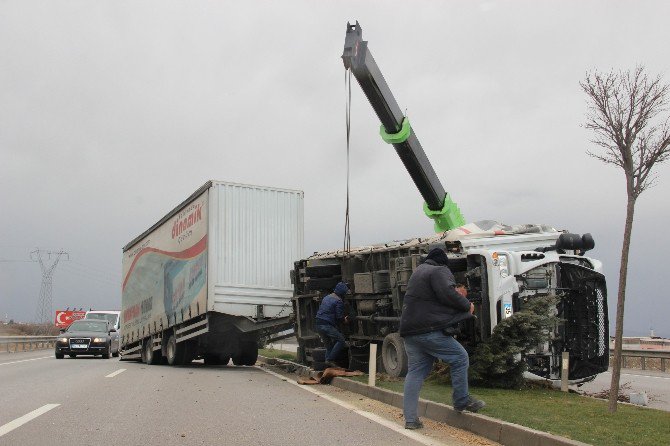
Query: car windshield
point(109, 317)
point(88, 325)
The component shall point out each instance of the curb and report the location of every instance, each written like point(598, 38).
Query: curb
point(505, 433)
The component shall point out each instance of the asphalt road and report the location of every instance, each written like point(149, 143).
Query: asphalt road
point(97, 401)
point(655, 384)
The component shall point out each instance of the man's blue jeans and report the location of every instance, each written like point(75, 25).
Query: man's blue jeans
point(422, 351)
point(332, 339)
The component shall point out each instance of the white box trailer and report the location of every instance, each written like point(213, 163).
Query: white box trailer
point(212, 275)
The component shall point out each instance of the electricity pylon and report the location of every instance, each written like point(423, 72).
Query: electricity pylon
point(44, 313)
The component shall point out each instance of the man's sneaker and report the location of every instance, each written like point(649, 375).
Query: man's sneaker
point(472, 406)
point(413, 425)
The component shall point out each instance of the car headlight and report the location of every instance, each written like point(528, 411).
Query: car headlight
point(98, 340)
point(62, 339)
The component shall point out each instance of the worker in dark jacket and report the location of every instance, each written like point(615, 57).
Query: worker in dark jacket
point(330, 314)
point(432, 308)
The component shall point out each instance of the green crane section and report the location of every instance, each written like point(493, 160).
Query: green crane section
point(396, 130)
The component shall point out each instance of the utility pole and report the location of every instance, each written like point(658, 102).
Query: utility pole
point(44, 312)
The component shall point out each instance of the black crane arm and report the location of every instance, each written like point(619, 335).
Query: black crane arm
point(395, 129)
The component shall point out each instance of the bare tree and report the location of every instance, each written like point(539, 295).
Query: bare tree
point(623, 112)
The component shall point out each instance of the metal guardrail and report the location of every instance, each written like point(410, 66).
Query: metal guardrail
point(643, 355)
point(26, 342)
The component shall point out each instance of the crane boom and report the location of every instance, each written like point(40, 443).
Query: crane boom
point(395, 129)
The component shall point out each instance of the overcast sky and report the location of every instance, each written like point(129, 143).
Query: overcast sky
point(113, 112)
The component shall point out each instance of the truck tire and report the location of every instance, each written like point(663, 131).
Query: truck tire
point(175, 351)
point(248, 353)
point(394, 356)
point(149, 356)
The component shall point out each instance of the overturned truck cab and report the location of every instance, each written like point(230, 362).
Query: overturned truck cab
point(503, 267)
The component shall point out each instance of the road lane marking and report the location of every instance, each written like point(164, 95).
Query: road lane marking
point(25, 360)
point(370, 416)
point(5, 429)
point(113, 374)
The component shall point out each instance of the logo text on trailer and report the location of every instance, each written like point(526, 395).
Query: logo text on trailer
point(187, 218)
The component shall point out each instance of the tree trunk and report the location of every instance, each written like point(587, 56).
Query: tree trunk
point(623, 272)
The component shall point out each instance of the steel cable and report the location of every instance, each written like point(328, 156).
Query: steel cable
point(347, 90)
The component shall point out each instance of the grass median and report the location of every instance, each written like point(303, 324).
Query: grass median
point(566, 414)
point(275, 353)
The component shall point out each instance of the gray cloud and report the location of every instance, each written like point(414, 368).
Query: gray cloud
point(112, 112)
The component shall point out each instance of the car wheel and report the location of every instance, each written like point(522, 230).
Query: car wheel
point(394, 356)
point(106, 354)
point(175, 351)
point(59, 355)
point(72, 355)
point(115, 354)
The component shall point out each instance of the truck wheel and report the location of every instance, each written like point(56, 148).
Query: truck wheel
point(175, 351)
point(248, 353)
point(394, 356)
point(149, 356)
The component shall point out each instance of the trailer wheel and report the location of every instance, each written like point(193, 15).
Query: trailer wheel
point(175, 351)
point(394, 356)
point(149, 356)
point(248, 353)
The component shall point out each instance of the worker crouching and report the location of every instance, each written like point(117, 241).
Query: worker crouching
point(329, 316)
